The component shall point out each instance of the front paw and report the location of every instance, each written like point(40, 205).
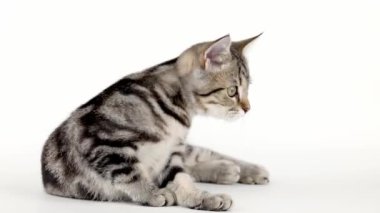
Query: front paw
point(162, 197)
point(218, 202)
point(253, 174)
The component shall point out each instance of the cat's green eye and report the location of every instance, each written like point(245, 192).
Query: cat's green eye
point(232, 91)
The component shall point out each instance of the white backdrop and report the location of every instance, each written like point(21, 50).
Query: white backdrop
point(315, 119)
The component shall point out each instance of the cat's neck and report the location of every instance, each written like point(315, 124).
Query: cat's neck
point(167, 77)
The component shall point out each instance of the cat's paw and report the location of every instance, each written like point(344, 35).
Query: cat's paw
point(225, 172)
point(253, 174)
point(218, 202)
point(162, 197)
point(169, 196)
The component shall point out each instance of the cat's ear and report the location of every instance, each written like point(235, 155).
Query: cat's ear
point(217, 53)
point(241, 45)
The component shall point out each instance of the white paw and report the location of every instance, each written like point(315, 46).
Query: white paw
point(225, 172)
point(253, 174)
point(162, 197)
point(218, 202)
point(169, 196)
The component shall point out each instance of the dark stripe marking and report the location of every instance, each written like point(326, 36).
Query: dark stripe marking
point(114, 159)
point(122, 171)
point(85, 193)
point(122, 142)
point(48, 178)
point(144, 98)
point(178, 100)
point(61, 141)
point(134, 178)
point(166, 109)
point(210, 93)
point(173, 171)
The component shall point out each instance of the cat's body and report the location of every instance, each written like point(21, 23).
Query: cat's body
point(128, 143)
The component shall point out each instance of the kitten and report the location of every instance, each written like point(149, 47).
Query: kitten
point(128, 143)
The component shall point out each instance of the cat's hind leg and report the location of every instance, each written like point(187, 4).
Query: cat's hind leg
point(122, 172)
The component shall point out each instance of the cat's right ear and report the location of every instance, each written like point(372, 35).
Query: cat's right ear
point(241, 45)
point(217, 53)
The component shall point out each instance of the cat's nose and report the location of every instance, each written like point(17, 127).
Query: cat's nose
point(245, 105)
point(246, 109)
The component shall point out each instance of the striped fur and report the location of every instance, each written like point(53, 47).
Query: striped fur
point(127, 143)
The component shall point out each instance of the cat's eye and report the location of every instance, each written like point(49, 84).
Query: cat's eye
point(232, 91)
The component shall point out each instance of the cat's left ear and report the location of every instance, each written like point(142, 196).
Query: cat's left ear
point(217, 53)
point(241, 45)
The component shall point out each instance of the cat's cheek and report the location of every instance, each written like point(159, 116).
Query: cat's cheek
point(216, 111)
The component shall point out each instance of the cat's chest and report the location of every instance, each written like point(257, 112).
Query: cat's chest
point(154, 156)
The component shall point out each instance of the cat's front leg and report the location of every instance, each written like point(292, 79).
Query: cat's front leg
point(188, 195)
point(215, 171)
point(146, 193)
point(209, 166)
point(253, 174)
point(181, 184)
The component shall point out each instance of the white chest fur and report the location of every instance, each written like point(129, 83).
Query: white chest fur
point(154, 156)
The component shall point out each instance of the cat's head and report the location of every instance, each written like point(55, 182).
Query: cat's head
point(218, 76)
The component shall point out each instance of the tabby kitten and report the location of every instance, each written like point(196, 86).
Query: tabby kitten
point(128, 142)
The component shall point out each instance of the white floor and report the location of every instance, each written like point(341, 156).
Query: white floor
point(301, 182)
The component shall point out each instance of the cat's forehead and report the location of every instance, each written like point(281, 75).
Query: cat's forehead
point(226, 78)
point(240, 64)
point(236, 73)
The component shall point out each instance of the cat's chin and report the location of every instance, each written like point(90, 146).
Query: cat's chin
point(229, 116)
point(233, 115)
point(223, 115)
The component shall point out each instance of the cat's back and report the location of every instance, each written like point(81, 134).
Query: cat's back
point(141, 108)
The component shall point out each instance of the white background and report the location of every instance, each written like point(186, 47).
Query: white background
point(315, 119)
